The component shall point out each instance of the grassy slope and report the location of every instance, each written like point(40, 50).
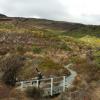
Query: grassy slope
point(61, 42)
point(63, 35)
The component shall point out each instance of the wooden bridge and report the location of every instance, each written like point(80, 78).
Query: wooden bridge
point(51, 86)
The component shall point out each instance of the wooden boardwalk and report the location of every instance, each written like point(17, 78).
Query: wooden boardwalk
point(51, 86)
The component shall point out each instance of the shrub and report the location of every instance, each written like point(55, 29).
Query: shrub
point(65, 47)
point(77, 60)
point(10, 66)
point(4, 51)
point(47, 64)
point(36, 49)
point(34, 92)
point(20, 49)
point(97, 58)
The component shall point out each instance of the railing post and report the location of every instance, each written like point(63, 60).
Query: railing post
point(64, 83)
point(37, 83)
point(51, 86)
point(22, 84)
point(32, 83)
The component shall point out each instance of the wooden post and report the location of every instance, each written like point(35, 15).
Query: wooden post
point(22, 84)
point(64, 83)
point(51, 86)
point(32, 83)
point(37, 83)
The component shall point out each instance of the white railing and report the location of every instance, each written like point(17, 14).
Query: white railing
point(53, 85)
point(50, 85)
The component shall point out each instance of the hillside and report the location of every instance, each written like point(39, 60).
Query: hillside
point(47, 38)
point(31, 25)
point(28, 43)
point(2, 16)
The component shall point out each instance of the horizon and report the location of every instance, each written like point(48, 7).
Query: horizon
point(51, 20)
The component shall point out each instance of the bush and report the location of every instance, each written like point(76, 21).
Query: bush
point(20, 49)
point(48, 64)
point(34, 92)
point(65, 47)
point(97, 58)
point(4, 51)
point(36, 49)
point(77, 60)
point(10, 66)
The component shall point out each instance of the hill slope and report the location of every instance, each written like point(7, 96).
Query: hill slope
point(28, 43)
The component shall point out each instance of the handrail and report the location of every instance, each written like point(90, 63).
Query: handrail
point(50, 84)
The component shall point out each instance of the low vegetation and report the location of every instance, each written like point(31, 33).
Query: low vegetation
point(27, 44)
point(36, 50)
point(35, 93)
point(10, 66)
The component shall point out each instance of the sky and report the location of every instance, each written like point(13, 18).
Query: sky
point(80, 11)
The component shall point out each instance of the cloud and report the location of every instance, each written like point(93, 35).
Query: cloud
point(84, 11)
point(42, 8)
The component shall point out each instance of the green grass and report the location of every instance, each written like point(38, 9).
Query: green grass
point(47, 64)
point(6, 26)
point(97, 57)
point(92, 40)
point(83, 31)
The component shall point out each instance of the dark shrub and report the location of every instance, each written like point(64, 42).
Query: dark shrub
point(20, 49)
point(10, 66)
point(36, 50)
point(4, 51)
point(34, 92)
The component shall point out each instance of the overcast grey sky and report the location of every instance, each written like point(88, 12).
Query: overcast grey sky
point(83, 11)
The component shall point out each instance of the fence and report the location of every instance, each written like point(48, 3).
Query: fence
point(51, 86)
